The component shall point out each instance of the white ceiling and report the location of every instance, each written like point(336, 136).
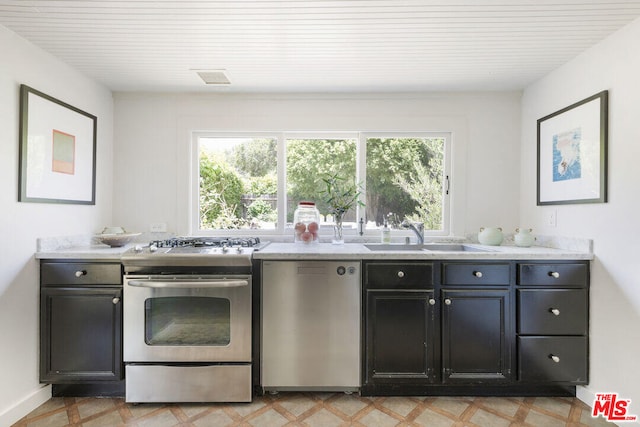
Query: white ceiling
point(316, 45)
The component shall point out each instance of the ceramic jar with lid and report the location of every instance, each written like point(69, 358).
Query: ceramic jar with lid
point(490, 236)
point(523, 237)
point(306, 223)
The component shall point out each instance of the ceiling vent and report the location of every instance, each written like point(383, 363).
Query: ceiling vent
point(214, 77)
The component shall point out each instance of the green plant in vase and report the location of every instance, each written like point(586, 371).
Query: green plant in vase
point(340, 195)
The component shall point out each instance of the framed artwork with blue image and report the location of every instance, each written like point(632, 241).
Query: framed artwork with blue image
point(572, 153)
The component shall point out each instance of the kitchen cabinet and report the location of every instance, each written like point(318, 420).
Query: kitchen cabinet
point(476, 323)
point(553, 307)
point(80, 321)
point(399, 323)
point(481, 326)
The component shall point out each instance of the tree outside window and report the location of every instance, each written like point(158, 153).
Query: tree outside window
point(403, 179)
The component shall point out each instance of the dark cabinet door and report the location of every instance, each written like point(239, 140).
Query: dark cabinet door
point(80, 334)
point(399, 329)
point(476, 330)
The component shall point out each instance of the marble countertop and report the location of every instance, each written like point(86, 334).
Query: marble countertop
point(554, 249)
point(97, 252)
point(348, 251)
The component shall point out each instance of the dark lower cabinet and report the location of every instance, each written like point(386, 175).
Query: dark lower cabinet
point(553, 322)
point(81, 337)
point(476, 328)
point(80, 326)
point(399, 336)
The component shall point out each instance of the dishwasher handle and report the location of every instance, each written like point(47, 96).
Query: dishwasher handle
point(221, 283)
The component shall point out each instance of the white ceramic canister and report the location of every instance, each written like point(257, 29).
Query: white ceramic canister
point(523, 237)
point(306, 223)
point(490, 236)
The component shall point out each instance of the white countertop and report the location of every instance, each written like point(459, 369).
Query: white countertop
point(97, 252)
point(326, 251)
point(347, 251)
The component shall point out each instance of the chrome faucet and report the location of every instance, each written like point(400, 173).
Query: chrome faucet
point(417, 228)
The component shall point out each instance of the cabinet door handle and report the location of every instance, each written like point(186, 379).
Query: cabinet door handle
point(432, 301)
point(115, 300)
point(80, 273)
point(401, 274)
point(477, 274)
point(447, 301)
point(554, 274)
point(555, 311)
point(554, 358)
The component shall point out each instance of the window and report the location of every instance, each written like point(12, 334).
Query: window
point(308, 160)
point(237, 183)
point(405, 178)
point(255, 182)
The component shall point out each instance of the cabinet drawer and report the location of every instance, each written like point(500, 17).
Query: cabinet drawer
point(553, 359)
point(80, 273)
point(475, 274)
point(398, 275)
point(552, 311)
point(570, 274)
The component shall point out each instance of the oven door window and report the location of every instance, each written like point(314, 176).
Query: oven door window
point(187, 321)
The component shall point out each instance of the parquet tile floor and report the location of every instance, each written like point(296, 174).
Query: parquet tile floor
point(320, 410)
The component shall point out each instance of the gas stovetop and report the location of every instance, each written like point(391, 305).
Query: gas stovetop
point(194, 251)
point(207, 242)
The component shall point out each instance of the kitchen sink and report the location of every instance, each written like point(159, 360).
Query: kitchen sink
point(444, 247)
point(453, 247)
point(392, 247)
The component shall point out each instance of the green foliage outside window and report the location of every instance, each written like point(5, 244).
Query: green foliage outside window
point(403, 178)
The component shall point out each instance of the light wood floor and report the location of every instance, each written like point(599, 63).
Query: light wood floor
point(320, 410)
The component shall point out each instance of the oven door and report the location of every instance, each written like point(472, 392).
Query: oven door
point(187, 318)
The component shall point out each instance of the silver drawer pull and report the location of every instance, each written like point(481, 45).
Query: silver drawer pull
point(554, 358)
point(401, 274)
point(432, 301)
point(115, 300)
point(447, 301)
point(554, 274)
point(477, 274)
point(555, 311)
point(80, 273)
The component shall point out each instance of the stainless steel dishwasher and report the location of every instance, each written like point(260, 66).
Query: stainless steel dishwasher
point(310, 325)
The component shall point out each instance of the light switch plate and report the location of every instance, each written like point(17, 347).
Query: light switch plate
point(552, 218)
point(158, 227)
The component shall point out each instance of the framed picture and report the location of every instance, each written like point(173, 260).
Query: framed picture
point(572, 153)
point(57, 151)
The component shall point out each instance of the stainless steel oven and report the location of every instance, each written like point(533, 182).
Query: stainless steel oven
point(187, 325)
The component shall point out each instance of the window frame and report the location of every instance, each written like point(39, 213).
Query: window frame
point(281, 230)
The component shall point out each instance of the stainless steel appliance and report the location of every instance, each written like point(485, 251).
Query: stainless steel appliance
point(310, 325)
point(187, 320)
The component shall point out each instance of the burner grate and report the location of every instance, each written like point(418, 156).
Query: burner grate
point(213, 242)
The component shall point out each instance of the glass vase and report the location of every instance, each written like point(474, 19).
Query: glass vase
point(338, 238)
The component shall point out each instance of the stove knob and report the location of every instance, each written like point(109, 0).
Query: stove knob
point(153, 248)
point(225, 249)
point(239, 249)
point(137, 248)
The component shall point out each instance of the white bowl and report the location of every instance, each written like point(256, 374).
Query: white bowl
point(116, 240)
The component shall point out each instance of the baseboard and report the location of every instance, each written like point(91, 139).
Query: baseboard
point(14, 413)
point(585, 395)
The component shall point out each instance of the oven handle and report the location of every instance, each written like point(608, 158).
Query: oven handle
point(223, 283)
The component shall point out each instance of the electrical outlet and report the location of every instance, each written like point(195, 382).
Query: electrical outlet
point(158, 227)
point(552, 218)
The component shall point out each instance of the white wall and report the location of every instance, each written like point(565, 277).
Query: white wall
point(152, 137)
point(614, 64)
point(22, 223)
